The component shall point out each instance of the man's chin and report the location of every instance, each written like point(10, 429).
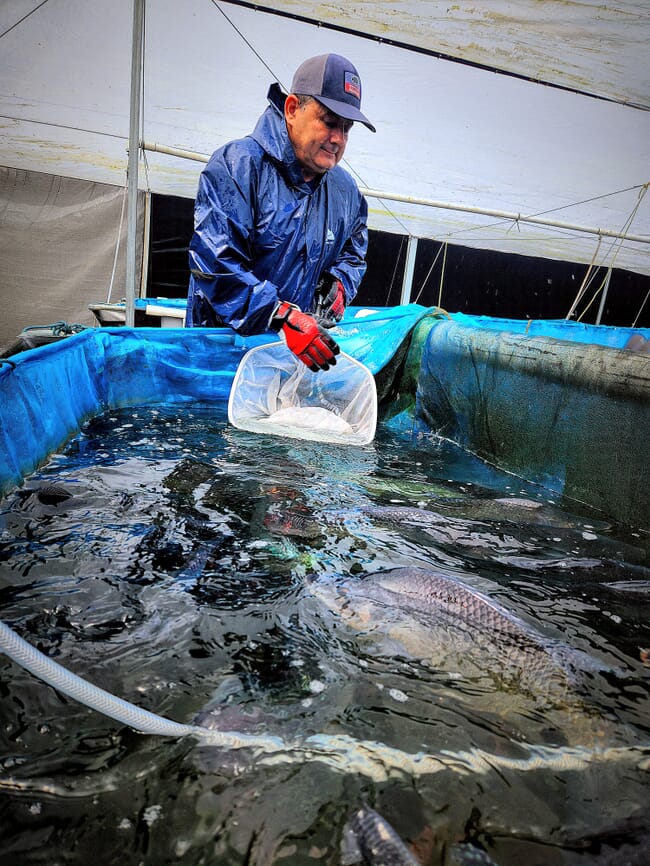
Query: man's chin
point(325, 165)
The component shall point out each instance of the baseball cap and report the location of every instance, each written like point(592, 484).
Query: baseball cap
point(334, 81)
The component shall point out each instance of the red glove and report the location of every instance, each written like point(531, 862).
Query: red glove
point(331, 301)
point(305, 337)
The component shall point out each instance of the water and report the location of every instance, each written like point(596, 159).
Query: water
point(198, 571)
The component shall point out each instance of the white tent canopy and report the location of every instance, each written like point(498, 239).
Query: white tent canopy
point(447, 132)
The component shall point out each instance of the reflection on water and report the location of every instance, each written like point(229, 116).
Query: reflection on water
point(208, 574)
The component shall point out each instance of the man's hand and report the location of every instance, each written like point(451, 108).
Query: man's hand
point(330, 296)
point(304, 336)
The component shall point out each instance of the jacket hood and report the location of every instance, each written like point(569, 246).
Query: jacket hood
point(271, 134)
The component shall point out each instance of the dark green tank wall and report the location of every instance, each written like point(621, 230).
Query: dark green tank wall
point(573, 417)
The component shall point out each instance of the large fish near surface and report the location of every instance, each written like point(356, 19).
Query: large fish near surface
point(420, 613)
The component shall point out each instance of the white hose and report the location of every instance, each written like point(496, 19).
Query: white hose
point(52, 673)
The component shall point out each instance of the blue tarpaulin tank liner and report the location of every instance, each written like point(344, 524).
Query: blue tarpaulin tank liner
point(570, 414)
point(46, 394)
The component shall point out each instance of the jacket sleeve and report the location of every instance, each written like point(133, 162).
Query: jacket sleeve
point(223, 287)
point(350, 266)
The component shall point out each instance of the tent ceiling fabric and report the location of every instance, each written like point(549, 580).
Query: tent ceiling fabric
point(591, 47)
point(447, 131)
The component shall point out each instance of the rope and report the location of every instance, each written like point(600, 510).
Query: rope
point(399, 255)
point(58, 329)
point(585, 282)
point(442, 275)
point(642, 187)
point(636, 319)
point(616, 247)
point(596, 293)
point(20, 20)
point(118, 241)
point(438, 313)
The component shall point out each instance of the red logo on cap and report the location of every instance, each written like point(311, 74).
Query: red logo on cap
point(352, 84)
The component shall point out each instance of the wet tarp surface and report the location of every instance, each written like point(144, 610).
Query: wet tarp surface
point(46, 394)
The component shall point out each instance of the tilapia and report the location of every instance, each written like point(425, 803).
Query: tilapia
point(503, 542)
point(465, 854)
point(515, 509)
point(188, 475)
point(629, 587)
point(424, 614)
point(188, 576)
point(369, 839)
point(472, 535)
point(397, 486)
point(49, 498)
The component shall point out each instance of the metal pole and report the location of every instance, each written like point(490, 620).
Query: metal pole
point(502, 214)
point(409, 267)
point(603, 296)
point(134, 155)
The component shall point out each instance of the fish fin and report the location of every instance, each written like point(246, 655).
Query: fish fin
point(350, 850)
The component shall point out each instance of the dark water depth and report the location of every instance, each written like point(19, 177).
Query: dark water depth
point(211, 575)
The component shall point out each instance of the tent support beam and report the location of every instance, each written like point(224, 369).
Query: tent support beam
point(603, 297)
point(504, 215)
point(425, 202)
point(134, 157)
point(409, 268)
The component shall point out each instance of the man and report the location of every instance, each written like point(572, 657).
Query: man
point(279, 227)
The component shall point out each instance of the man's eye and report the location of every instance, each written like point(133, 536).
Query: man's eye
point(336, 124)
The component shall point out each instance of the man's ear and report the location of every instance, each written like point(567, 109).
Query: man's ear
point(291, 105)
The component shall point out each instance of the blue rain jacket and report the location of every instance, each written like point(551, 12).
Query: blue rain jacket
point(262, 234)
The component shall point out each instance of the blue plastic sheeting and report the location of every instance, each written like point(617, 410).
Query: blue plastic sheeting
point(373, 335)
point(46, 394)
point(172, 303)
point(556, 329)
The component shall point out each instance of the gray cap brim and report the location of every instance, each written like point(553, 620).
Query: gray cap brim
point(343, 109)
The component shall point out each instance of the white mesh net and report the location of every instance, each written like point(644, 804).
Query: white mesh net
point(274, 392)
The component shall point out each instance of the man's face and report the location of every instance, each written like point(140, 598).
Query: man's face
point(318, 136)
